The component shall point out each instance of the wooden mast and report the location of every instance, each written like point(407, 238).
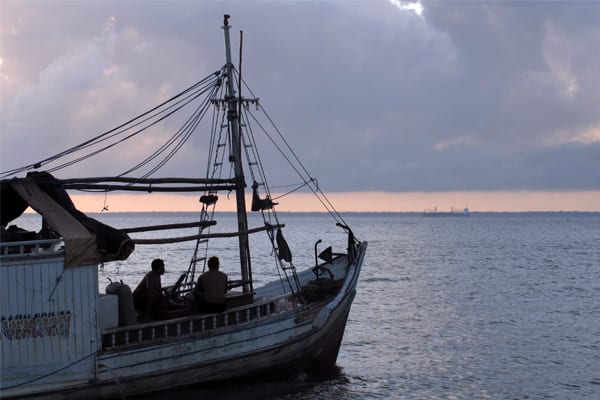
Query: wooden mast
point(236, 158)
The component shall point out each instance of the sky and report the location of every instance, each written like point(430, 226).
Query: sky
point(394, 106)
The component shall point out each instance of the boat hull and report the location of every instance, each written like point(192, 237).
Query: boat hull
point(288, 342)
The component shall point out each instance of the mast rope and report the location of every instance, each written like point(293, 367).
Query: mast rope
point(183, 97)
point(180, 137)
point(187, 100)
point(213, 171)
point(298, 166)
point(292, 191)
point(269, 214)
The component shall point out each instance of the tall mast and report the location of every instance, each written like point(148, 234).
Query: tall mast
point(236, 158)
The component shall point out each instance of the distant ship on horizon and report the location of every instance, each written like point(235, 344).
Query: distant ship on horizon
point(452, 213)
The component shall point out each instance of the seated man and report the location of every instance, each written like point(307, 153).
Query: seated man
point(209, 293)
point(148, 296)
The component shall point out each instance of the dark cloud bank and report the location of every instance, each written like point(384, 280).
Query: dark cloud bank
point(466, 96)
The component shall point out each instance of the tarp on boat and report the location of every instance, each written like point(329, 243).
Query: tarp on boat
point(87, 241)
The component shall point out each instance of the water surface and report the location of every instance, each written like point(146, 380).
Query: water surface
point(493, 306)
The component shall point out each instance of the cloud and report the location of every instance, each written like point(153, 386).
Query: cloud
point(414, 6)
point(589, 135)
point(382, 95)
point(62, 104)
point(463, 141)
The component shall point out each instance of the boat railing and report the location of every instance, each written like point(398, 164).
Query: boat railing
point(42, 247)
point(180, 328)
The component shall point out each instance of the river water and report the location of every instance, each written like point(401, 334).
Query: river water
point(491, 306)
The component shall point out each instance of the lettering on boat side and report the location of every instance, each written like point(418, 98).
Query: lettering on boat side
point(37, 325)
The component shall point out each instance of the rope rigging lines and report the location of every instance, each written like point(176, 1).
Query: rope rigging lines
point(208, 91)
point(142, 122)
point(284, 148)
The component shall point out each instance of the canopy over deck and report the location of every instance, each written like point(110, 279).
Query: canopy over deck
point(87, 241)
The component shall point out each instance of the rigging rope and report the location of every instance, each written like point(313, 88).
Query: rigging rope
point(183, 134)
point(207, 212)
point(200, 86)
point(307, 179)
point(298, 167)
point(188, 100)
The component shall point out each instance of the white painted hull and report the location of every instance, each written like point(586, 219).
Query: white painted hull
point(286, 340)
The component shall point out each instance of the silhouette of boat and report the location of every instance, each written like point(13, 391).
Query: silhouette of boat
point(62, 338)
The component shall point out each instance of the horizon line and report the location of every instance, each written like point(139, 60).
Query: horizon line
point(475, 201)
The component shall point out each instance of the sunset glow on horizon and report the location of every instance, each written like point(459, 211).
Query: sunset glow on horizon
point(499, 201)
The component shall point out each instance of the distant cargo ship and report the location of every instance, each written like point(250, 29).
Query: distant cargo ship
point(452, 213)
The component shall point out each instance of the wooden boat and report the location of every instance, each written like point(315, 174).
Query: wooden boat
point(61, 338)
